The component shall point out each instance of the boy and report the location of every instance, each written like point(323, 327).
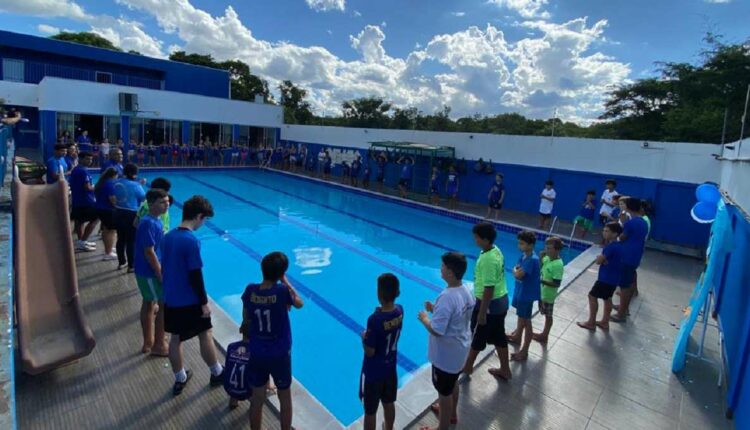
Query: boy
point(450, 336)
point(237, 381)
point(56, 163)
point(382, 164)
point(148, 274)
point(552, 274)
point(405, 178)
point(186, 310)
point(265, 310)
point(585, 217)
point(451, 187)
point(633, 238)
point(491, 293)
point(156, 184)
point(496, 196)
point(608, 202)
point(83, 203)
point(527, 292)
point(356, 167)
point(435, 187)
point(610, 270)
point(379, 380)
point(366, 175)
point(547, 203)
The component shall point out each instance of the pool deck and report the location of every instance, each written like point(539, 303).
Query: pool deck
point(580, 380)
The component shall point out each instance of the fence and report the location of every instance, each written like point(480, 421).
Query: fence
point(35, 72)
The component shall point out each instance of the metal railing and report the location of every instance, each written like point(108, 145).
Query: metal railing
point(35, 72)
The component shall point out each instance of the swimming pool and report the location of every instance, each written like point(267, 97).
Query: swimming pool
point(338, 242)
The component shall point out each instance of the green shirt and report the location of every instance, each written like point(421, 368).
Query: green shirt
point(552, 270)
point(648, 223)
point(143, 211)
point(490, 270)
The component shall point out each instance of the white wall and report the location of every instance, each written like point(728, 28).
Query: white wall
point(63, 95)
point(683, 162)
point(735, 173)
point(19, 94)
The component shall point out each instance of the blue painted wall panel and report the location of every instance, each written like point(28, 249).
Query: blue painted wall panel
point(48, 130)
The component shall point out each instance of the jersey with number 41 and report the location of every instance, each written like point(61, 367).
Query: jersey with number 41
point(383, 332)
point(267, 311)
point(237, 372)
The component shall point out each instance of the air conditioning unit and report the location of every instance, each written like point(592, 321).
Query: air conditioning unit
point(128, 102)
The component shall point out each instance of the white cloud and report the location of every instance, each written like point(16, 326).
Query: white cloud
point(45, 8)
point(47, 29)
point(326, 5)
point(718, 1)
point(525, 8)
point(458, 14)
point(357, 13)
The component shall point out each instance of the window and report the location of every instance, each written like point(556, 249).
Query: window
point(104, 77)
point(13, 70)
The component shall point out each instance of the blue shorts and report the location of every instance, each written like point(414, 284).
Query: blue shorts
point(628, 276)
point(280, 368)
point(452, 190)
point(523, 308)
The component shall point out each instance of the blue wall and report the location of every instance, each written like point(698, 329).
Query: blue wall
point(179, 77)
point(672, 201)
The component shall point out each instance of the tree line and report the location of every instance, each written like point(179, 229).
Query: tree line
point(700, 102)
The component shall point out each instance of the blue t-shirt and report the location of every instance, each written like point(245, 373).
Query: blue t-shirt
point(636, 230)
point(529, 288)
point(103, 194)
point(149, 234)
point(610, 272)
point(383, 332)
point(496, 191)
point(616, 213)
point(180, 255)
point(406, 171)
point(268, 312)
point(435, 184)
point(79, 182)
point(129, 194)
point(115, 165)
point(238, 381)
point(83, 139)
point(53, 167)
point(588, 210)
point(69, 163)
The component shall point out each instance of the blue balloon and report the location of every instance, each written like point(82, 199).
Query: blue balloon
point(704, 212)
point(708, 193)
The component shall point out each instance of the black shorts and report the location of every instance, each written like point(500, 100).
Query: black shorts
point(602, 290)
point(546, 309)
point(279, 368)
point(545, 216)
point(628, 277)
point(380, 391)
point(380, 178)
point(185, 321)
point(403, 183)
point(84, 214)
point(443, 381)
point(492, 333)
point(496, 205)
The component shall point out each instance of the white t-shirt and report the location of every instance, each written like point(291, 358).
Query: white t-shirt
point(105, 148)
point(545, 207)
point(451, 318)
point(608, 206)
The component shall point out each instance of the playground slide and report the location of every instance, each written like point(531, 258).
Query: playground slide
point(52, 329)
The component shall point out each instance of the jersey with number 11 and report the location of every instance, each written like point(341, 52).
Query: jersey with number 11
point(267, 311)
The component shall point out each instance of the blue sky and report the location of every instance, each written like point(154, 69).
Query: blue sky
point(491, 56)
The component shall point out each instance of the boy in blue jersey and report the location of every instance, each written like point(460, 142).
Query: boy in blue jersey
point(527, 291)
point(186, 310)
point(265, 311)
point(451, 187)
point(56, 163)
point(585, 219)
point(633, 239)
point(405, 178)
point(379, 381)
point(83, 203)
point(496, 196)
point(238, 381)
point(610, 270)
point(148, 274)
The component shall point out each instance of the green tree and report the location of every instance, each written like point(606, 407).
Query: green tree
point(366, 112)
point(296, 109)
point(404, 119)
point(86, 38)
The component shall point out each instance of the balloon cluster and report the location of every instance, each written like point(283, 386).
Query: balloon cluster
point(708, 196)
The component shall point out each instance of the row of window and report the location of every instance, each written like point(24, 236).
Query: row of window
point(16, 70)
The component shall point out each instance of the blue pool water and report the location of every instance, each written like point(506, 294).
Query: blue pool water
point(338, 242)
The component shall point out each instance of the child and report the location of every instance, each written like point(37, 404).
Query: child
point(237, 376)
point(379, 380)
point(95, 152)
point(382, 163)
point(610, 270)
point(405, 178)
point(435, 187)
point(585, 218)
point(327, 162)
point(552, 274)
point(356, 167)
point(366, 175)
point(451, 187)
point(175, 153)
point(148, 273)
point(491, 293)
point(633, 239)
point(450, 336)
point(545, 206)
point(265, 310)
point(143, 210)
point(243, 155)
point(614, 215)
point(496, 196)
point(527, 292)
point(608, 202)
point(345, 172)
point(141, 154)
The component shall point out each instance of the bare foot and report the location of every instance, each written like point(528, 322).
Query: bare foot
point(435, 408)
point(539, 337)
point(617, 318)
point(499, 373)
point(519, 356)
point(587, 325)
point(602, 325)
point(146, 349)
point(515, 340)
